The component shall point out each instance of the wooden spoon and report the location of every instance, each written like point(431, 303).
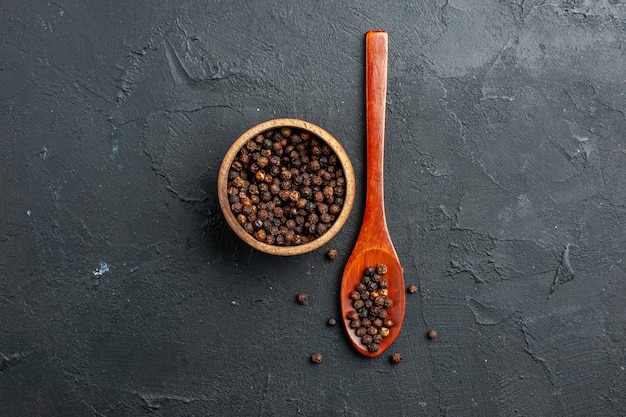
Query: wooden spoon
point(373, 246)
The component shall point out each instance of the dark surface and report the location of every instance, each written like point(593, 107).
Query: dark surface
point(123, 293)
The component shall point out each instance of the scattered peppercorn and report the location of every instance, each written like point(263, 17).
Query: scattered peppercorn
point(331, 254)
point(302, 298)
point(412, 289)
point(286, 177)
point(316, 357)
point(369, 317)
point(396, 358)
point(432, 334)
point(331, 321)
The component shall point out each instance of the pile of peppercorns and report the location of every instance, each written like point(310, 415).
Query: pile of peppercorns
point(286, 187)
point(370, 300)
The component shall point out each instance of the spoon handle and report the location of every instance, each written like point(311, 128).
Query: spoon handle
point(376, 97)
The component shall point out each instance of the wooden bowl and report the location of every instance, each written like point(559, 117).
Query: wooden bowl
point(222, 186)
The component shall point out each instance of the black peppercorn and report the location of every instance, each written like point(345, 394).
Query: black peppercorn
point(331, 321)
point(263, 161)
point(334, 209)
point(236, 207)
point(260, 235)
point(314, 165)
point(302, 298)
point(396, 358)
point(367, 339)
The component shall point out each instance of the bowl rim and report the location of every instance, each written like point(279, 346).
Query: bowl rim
point(222, 184)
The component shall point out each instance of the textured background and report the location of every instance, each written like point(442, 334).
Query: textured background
point(123, 292)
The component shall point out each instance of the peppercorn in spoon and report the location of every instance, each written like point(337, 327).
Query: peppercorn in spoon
point(373, 246)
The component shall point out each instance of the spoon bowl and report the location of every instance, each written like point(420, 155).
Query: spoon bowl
point(373, 245)
point(352, 277)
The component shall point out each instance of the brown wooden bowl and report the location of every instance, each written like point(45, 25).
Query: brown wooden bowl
point(222, 185)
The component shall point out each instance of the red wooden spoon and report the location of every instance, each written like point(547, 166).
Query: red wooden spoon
point(374, 244)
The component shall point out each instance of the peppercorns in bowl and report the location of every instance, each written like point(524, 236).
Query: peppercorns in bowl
point(286, 187)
